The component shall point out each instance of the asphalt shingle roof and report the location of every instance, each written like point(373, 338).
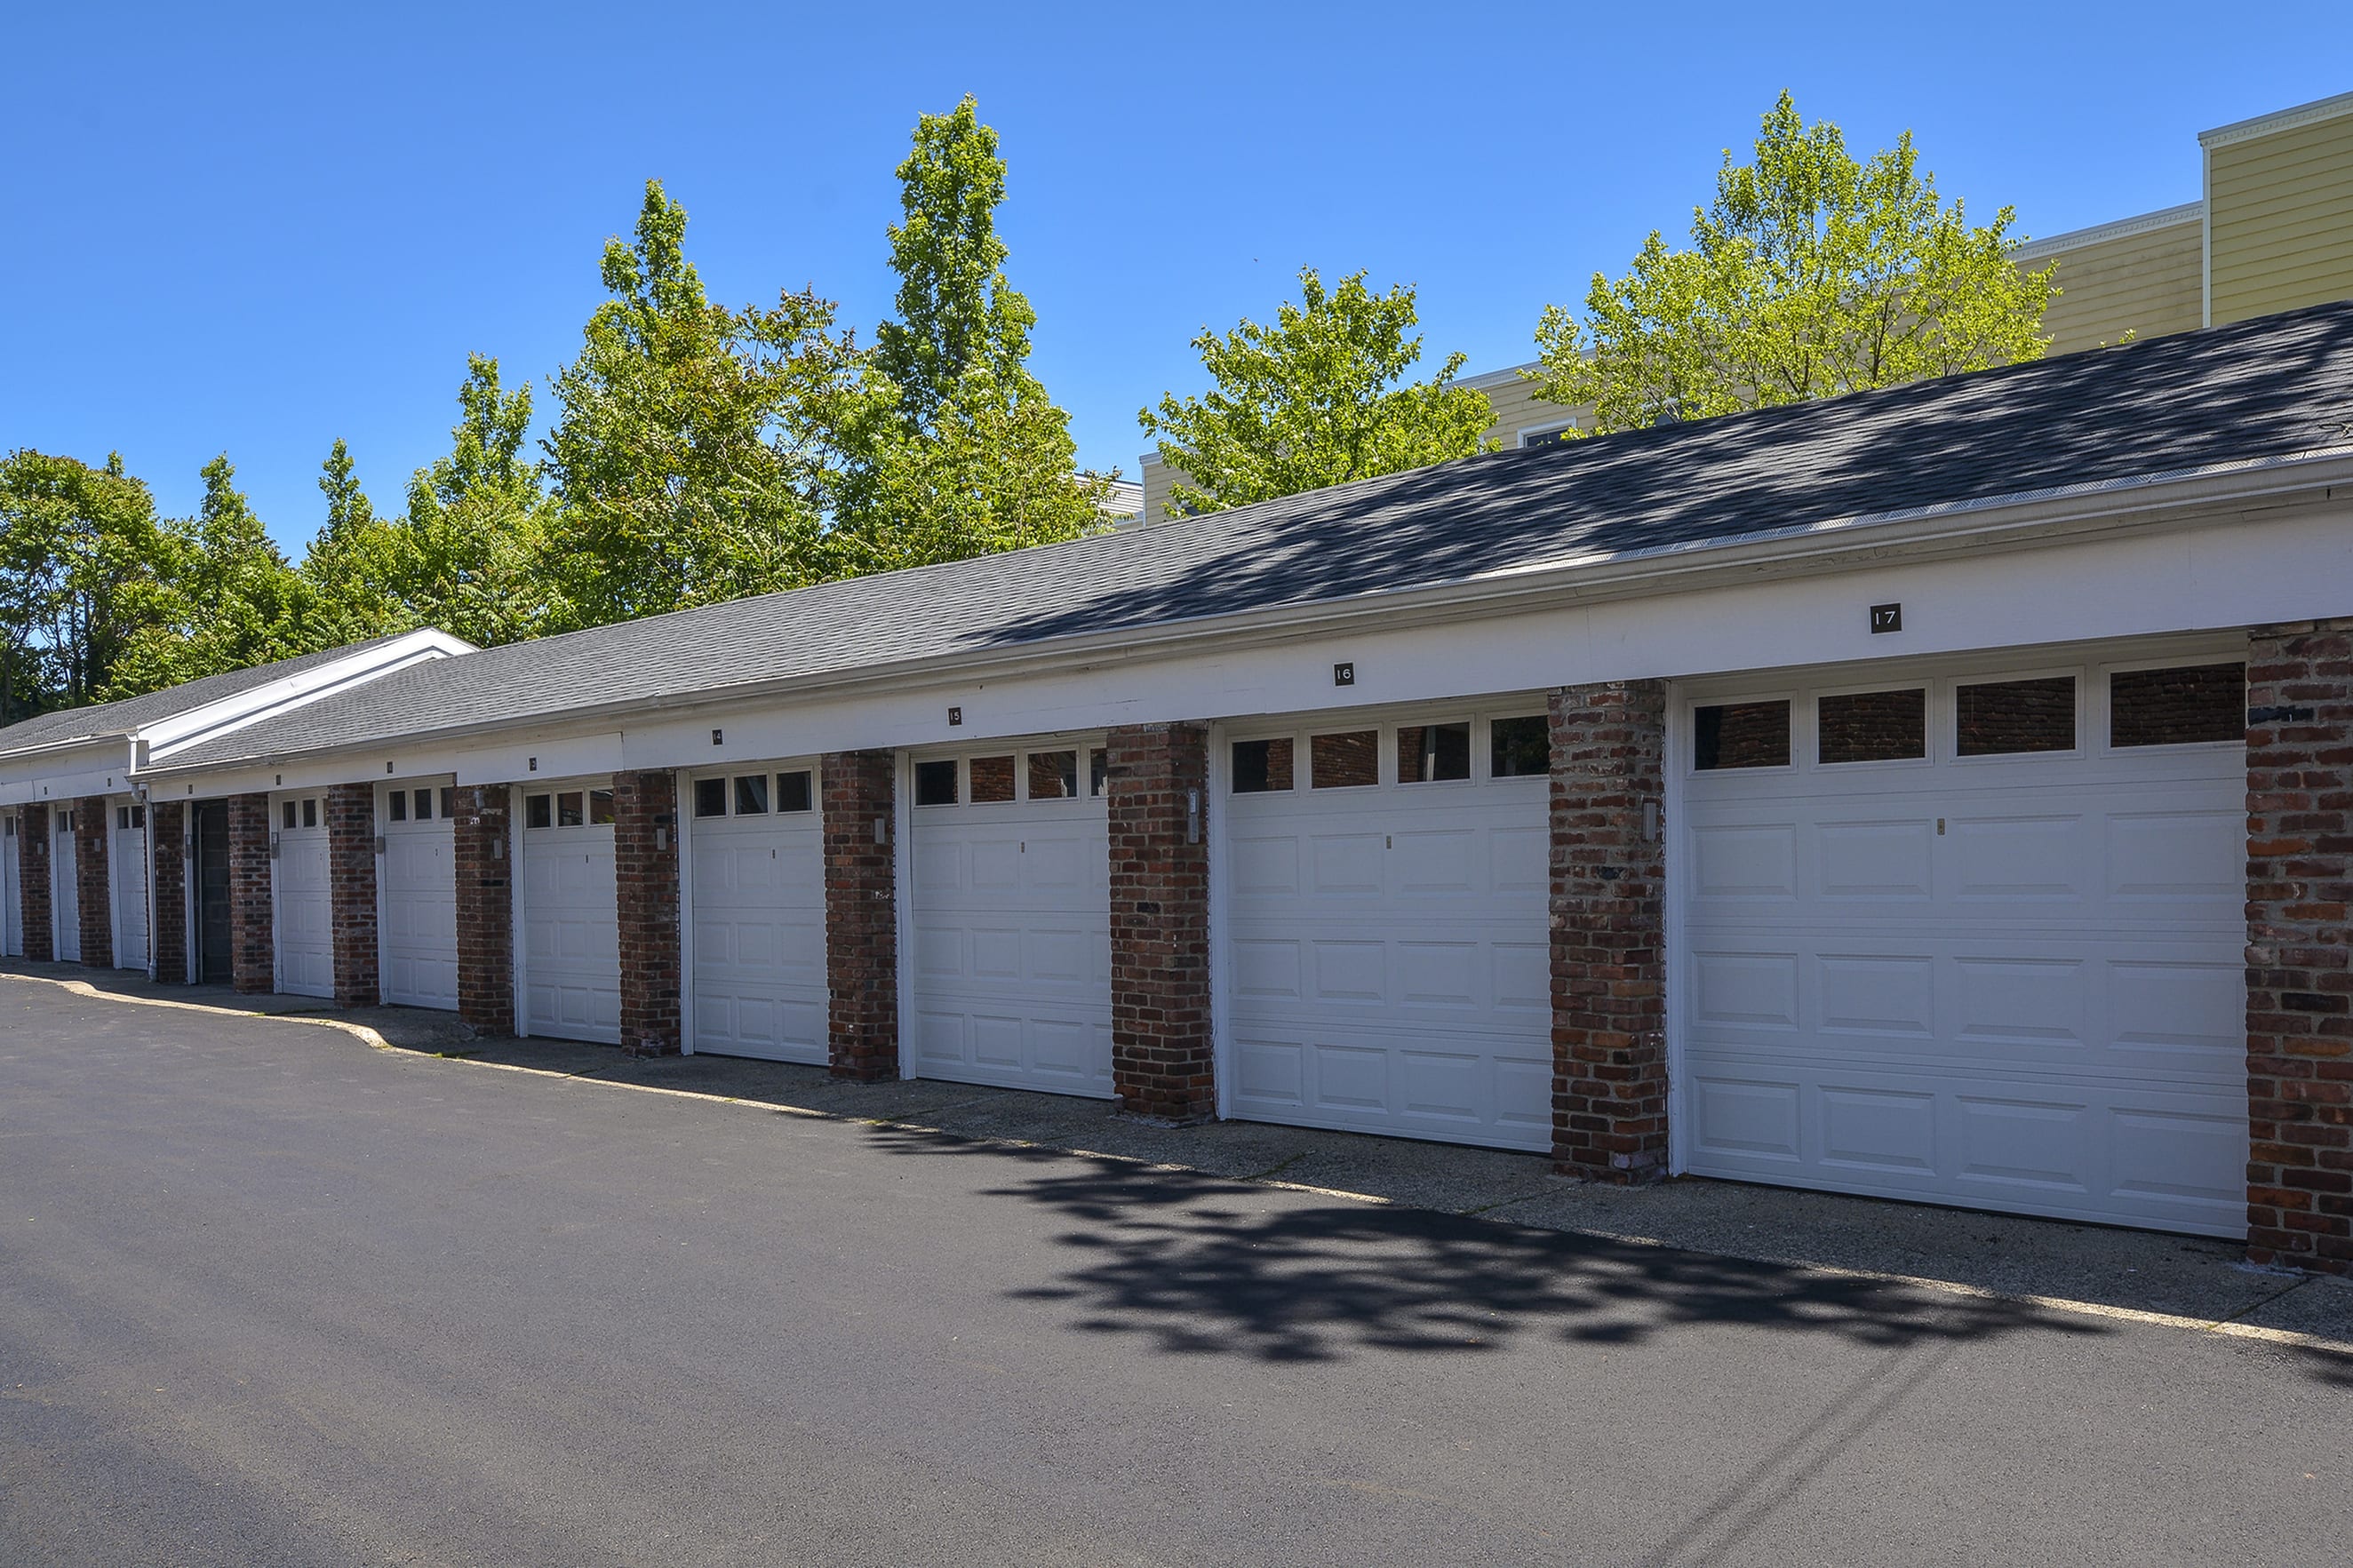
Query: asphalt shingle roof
point(2277, 386)
point(131, 714)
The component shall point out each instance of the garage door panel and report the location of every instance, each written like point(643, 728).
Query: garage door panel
point(1745, 990)
point(758, 893)
point(420, 913)
point(1878, 1128)
point(1748, 863)
point(2172, 856)
point(1874, 862)
point(1878, 995)
point(305, 933)
point(572, 935)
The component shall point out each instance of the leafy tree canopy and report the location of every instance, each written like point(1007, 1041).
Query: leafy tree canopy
point(234, 601)
point(1317, 398)
point(1810, 274)
point(84, 566)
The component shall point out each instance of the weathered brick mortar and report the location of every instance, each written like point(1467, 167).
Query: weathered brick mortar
point(94, 906)
point(1156, 791)
point(483, 854)
point(33, 883)
point(252, 932)
point(645, 851)
point(167, 830)
point(861, 932)
point(2299, 954)
point(350, 892)
point(1608, 948)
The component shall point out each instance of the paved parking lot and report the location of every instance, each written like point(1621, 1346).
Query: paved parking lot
point(270, 1295)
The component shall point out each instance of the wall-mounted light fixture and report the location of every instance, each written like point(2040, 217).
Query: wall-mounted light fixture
point(1192, 817)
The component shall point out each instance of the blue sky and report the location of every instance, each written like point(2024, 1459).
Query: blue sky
point(254, 229)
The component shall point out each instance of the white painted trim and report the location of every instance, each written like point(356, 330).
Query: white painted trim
point(2118, 228)
point(1488, 380)
point(683, 845)
point(1520, 437)
point(2205, 234)
point(380, 848)
point(2278, 119)
point(902, 907)
point(1218, 809)
point(518, 937)
point(1672, 945)
point(226, 715)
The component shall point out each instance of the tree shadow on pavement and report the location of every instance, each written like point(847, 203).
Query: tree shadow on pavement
point(1207, 1266)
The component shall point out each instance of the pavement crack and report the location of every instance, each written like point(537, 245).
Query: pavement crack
point(2253, 1306)
point(1274, 1170)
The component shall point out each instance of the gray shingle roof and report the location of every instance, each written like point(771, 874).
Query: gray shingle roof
point(2276, 386)
point(131, 714)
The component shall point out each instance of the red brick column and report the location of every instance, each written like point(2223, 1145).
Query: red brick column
point(167, 831)
point(350, 892)
point(252, 929)
point(1157, 788)
point(645, 852)
point(2299, 954)
point(484, 856)
point(1608, 947)
point(93, 892)
point(861, 914)
point(33, 883)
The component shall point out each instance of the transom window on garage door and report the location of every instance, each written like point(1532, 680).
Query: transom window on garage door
point(1048, 772)
point(419, 805)
point(2039, 712)
point(568, 808)
point(1442, 749)
point(756, 794)
point(298, 812)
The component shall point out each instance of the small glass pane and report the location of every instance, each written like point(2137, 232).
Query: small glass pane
point(935, 783)
point(448, 795)
point(535, 811)
point(425, 805)
point(138, 816)
point(711, 797)
point(1519, 748)
point(1740, 735)
point(570, 809)
point(1872, 726)
point(310, 813)
point(1997, 718)
point(1349, 760)
point(396, 806)
point(2178, 706)
point(1054, 775)
point(285, 811)
point(752, 795)
point(1098, 769)
point(793, 792)
point(1431, 754)
point(600, 808)
point(1261, 766)
point(992, 779)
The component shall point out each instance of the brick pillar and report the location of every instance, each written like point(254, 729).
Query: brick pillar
point(645, 857)
point(350, 892)
point(861, 914)
point(1157, 788)
point(1608, 947)
point(2299, 954)
point(484, 855)
point(33, 883)
point(167, 831)
point(252, 930)
point(93, 893)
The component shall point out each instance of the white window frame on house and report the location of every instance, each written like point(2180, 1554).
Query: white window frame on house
point(1533, 435)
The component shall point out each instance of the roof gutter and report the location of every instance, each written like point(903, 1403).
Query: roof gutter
point(2054, 516)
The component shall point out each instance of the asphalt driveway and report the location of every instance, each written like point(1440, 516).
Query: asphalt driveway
point(270, 1296)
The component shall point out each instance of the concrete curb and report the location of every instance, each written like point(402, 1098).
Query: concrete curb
point(2225, 1327)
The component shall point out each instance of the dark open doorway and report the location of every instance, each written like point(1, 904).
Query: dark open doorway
point(213, 959)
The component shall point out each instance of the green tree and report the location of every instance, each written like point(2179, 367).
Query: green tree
point(352, 563)
point(83, 562)
point(1315, 399)
point(1809, 275)
point(234, 601)
point(687, 459)
point(471, 555)
point(952, 447)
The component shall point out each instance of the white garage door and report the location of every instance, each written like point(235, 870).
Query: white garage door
point(1975, 938)
point(1389, 968)
point(756, 877)
point(572, 929)
point(126, 864)
point(1012, 920)
point(304, 914)
point(12, 908)
point(420, 896)
point(65, 888)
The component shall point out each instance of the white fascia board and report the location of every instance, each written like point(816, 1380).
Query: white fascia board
point(1488, 380)
point(2135, 515)
point(2117, 228)
point(67, 772)
point(213, 720)
point(2278, 119)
